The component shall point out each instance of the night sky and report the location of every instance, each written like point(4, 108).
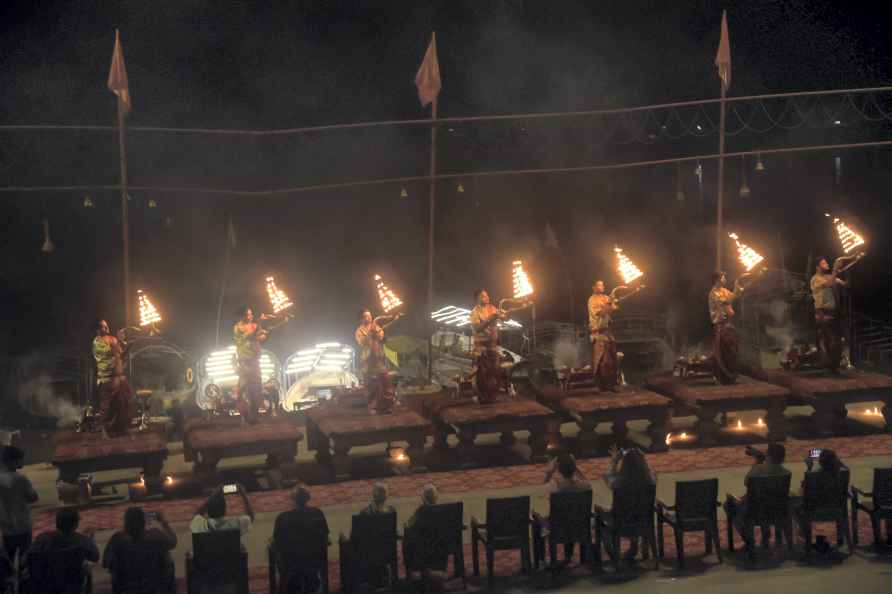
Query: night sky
point(234, 65)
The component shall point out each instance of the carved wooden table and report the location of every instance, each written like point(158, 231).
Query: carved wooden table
point(706, 399)
point(76, 453)
point(829, 393)
point(207, 441)
point(332, 431)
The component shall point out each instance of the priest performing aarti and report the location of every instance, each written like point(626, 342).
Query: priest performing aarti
point(600, 316)
point(485, 318)
point(116, 408)
point(826, 285)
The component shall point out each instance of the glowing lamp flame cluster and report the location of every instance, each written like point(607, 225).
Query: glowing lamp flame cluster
point(277, 296)
point(148, 315)
point(847, 236)
point(749, 257)
point(626, 267)
point(522, 286)
point(389, 300)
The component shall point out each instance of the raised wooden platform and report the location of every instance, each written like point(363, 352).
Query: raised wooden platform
point(206, 441)
point(467, 419)
point(589, 408)
point(333, 430)
point(76, 453)
point(829, 393)
point(706, 399)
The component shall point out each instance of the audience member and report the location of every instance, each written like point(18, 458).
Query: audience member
point(211, 515)
point(379, 504)
point(570, 478)
point(429, 496)
point(135, 539)
point(771, 464)
point(16, 493)
point(293, 530)
point(66, 536)
point(629, 470)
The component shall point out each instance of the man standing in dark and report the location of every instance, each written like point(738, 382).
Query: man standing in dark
point(16, 495)
point(248, 337)
point(824, 286)
point(115, 396)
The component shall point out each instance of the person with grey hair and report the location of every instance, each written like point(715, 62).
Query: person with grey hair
point(379, 504)
point(429, 496)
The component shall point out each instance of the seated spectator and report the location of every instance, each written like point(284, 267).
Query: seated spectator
point(293, 529)
point(211, 515)
point(379, 503)
point(16, 493)
point(136, 539)
point(570, 479)
point(429, 496)
point(67, 537)
point(771, 464)
point(629, 469)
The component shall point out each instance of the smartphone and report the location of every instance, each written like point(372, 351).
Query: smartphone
point(230, 489)
point(151, 516)
point(815, 453)
point(624, 451)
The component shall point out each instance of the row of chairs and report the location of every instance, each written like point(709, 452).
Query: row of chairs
point(635, 513)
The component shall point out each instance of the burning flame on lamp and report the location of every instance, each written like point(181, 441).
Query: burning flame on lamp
point(847, 236)
point(389, 300)
point(626, 267)
point(749, 257)
point(522, 286)
point(277, 296)
point(148, 315)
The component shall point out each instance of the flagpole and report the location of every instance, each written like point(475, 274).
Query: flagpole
point(720, 194)
point(125, 215)
point(430, 238)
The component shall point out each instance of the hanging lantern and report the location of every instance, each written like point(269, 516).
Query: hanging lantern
point(48, 247)
point(460, 189)
point(404, 193)
point(152, 203)
point(744, 186)
point(760, 166)
point(88, 201)
point(679, 192)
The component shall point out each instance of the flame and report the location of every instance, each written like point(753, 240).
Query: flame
point(522, 286)
point(277, 296)
point(148, 315)
point(847, 236)
point(739, 424)
point(169, 480)
point(626, 267)
point(389, 300)
point(760, 422)
point(749, 257)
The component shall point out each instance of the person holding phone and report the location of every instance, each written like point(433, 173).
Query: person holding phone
point(570, 478)
point(211, 515)
point(629, 469)
point(827, 461)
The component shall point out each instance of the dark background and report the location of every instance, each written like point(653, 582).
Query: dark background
point(242, 65)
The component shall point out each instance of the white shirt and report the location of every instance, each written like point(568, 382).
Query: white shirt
point(201, 524)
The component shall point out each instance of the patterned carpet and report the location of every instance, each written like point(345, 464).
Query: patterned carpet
point(463, 481)
point(507, 563)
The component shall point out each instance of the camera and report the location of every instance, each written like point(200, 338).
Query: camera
point(757, 455)
point(230, 489)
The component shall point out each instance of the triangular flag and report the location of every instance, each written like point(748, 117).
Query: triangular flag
point(117, 75)
point(723, 55)
point(428, 78)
